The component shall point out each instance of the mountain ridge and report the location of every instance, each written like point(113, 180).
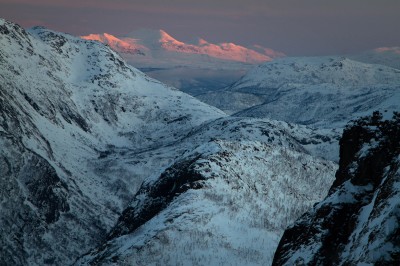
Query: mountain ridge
point(318, 91)
point(160, 40)
point(82, 131)
point(192, 67)
point(388, 56)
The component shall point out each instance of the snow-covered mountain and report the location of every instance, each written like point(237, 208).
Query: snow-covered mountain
point(162, 46)
point(82, 134)
point(388, 56)
point(123, 47)
point(193, 68)
point(318, 91)
point(358, 222)
point(65, 103)
point(227, 201)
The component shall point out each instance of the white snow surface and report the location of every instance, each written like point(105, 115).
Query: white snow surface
point(252, 192)
point(105, 128)
point(324, 92)
point(191, 67)
point(388, 56)
point(156, 48)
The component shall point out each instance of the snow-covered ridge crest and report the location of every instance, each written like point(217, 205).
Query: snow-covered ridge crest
point(193, 67)
point(150, 40)
point(319, 70)
point(389, 56)
point(117, 44)
point(317, 91)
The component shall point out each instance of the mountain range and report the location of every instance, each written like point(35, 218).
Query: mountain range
point(95, 152)
point(316, 91)
point(201, 67)
point(388, 56)
point(145, 46)
point(101, 164)
point(191, 67)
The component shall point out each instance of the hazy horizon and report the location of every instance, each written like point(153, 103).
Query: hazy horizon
point(298, 29)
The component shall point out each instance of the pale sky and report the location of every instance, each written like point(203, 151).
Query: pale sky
point(296, 27)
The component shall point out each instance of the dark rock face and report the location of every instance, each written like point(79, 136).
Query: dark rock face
point(177, 179)
point(358, 222)
point(152, 198)
point(32, 198)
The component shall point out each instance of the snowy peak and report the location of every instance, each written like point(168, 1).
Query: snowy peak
point(117, 44)
point(165, 37)
point(231, 51)
point(150, 37)
point(319, 70)
point(201, 42)
point(394, 50)
point(193, 67)
point(389, 56)
point(82, 133)
point(160, 39)
point(318, 91)
point(267, 51)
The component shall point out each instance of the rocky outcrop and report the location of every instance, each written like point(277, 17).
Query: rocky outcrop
point(177, 179)
point(358, 222)
point(32, 199)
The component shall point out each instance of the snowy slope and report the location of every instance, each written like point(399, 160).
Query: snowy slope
point(65, 102)
point(161, 46)
point(118, 45)
point(193, 68)
point(357, 223)
point(80, 131)
point(319, 91)
point(227, 201)
point(388, 56)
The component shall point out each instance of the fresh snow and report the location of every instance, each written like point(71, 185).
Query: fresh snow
point(192, 67)
point(323, 92)
point(74, 112)
point(237, 217)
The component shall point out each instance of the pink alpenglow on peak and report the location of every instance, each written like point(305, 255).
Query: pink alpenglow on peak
point(160, 41)
point(202, 42)
point(395, 50)
point(117, 44)
point(267, 51)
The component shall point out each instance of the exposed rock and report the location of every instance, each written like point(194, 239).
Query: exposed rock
point(32, 198)
point(358, 222)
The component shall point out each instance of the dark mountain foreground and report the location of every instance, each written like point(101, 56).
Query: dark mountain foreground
point(358, 222)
